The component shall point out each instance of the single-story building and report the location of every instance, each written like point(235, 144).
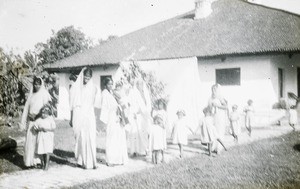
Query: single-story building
point(252, 51)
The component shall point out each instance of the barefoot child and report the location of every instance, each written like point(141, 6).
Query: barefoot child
point(157, 138)
point(209, 133)
point(180, 131)
point(160, 109)
point(234, 118)
point(45, 127)
point(249, 110)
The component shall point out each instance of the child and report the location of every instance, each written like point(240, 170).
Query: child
point(157, 139)
point(291, 108)
point(249, 110)
point(180, 131)
point(235, 122)
point(161, 110)
point(45, 127)
point(209, 133)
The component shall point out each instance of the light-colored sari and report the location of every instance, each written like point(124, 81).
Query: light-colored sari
point(83, 99)
point(33, 105)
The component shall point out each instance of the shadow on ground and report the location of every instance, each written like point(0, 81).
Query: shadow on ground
point(297, 147)
point(12, 156)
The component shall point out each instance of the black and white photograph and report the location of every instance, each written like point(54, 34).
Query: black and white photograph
point(149, 94)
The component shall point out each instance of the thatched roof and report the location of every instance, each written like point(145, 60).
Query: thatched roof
point(234, 27)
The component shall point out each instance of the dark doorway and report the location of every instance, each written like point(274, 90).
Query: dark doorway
point(102, 78)
point(298, 81)
point(280, 82)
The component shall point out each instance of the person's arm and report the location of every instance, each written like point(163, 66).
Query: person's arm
point(71, 119)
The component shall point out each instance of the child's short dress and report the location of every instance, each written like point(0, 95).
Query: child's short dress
point(180, 133)
point(208, 130)
point(249, 110)
point(163, 113)
point(45, 139)
point(157, 138)
point(234, 123)
point(293, 119)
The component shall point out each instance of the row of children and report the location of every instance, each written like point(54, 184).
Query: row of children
point(180, 131)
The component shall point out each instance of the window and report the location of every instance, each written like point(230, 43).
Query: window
point(231, 76)
point(102, 78)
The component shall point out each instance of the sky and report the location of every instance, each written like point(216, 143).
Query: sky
point(24, 23)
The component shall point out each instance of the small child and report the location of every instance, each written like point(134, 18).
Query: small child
point(235, 122)
point(45, 127)
point(292, 110)
point(249, 110)
point(157, 139)
point(180, 131)
point(209, 134)
point(161, 110)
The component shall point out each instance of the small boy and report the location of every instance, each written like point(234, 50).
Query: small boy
point(249, 110)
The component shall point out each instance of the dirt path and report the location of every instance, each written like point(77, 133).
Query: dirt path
point(66, 175)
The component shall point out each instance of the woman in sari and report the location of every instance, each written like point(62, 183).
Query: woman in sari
point(219, 109)
point(83, 99)
point(116, 148)
point(139, 119)
point(38, 97)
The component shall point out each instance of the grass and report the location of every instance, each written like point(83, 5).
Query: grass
point(270, 163)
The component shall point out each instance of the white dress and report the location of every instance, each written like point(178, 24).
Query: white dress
point(249, 110)
point(157, 138)
point(181, 131)
point(116, 147)
point(235, 123)
point(45, 139)
point(163, 113)
point(208, 131)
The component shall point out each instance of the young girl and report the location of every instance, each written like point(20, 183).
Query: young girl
point(161, 110)
point(292, 110)
point(249, 110)
point(180, 131)
point(235, 122)
point(209, 133)
point(45, 127)
point(157, 138)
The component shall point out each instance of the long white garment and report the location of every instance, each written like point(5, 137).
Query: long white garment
point(138, 119)
point(83, 100)
point(220, 120)
point(116, 148)
point(33, 105)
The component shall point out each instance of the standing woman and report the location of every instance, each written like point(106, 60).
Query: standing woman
point(219, 109)
point(83, 99)
point(37, 98)
point(116, 148)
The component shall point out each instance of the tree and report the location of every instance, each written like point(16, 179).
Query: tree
point(109, 38)
point(62, 44)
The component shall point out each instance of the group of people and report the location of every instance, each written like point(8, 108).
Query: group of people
point(127, 113)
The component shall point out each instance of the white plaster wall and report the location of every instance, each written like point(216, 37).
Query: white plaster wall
point(255, 83)
point(289, 66)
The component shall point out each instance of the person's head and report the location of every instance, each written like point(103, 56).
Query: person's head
point(87, 75)
point(158, 120)
point(37, 83)
point(108, 83)
point(46, 111)
point(180, 114)
point(72, 77)
point(161, 105)
point(234, 108)
point(250, 102)
point(215, 90)
point(207, 111)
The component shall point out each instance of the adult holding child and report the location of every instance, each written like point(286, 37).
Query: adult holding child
point(83, 100)
point(37, 98)
point(219, 109)
point(116, 148)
